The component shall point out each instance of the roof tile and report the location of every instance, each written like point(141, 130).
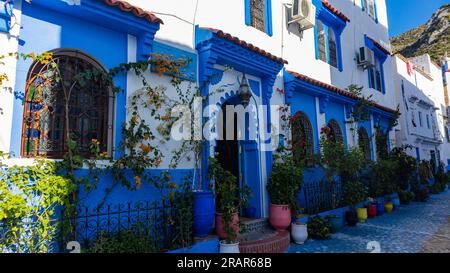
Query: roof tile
point(127, 7)
point(249, 46)
point(335, 89)
point(335, 11)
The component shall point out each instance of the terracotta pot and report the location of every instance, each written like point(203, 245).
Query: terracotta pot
point(220, 225)
point(372, 210)
point(280, 216)
point(299, 232)
point(362, 214)
point(388, 207)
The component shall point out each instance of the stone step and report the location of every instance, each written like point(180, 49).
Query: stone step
point(266, 240)
point(252, 225)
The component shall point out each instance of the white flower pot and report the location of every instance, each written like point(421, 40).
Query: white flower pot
point(229, 248)
point(299, 233)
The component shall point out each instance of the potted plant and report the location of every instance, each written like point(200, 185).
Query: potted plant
point(388, 206)
point(319, 228)
point(405, 197)
point(284, 183)
point(299, 232)
point(395, 200)
point(380, 206)
point(371, 208)
point(229, 198)
point(354, 190)
point(336, 222)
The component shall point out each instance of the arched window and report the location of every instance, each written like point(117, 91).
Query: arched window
point(302, 138)
point(335, 134)
point(382, 144)
point(332, 47)
point(364, 143)
point(321, 41)
point(59, 103)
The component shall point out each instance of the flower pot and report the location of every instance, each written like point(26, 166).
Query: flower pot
point(220, 225)
point(280, 216)
point(350, 218)
point(372, 210)
point(299, 232)
point(362, 214)
point(396, 202)
point(204, 211)
point(336, 223)
point(380, 208)
point(229, 248)
point(388, 207)
point(250, 212)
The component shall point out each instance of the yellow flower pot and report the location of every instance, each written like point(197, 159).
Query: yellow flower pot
point(388, 207)
point(362, 214)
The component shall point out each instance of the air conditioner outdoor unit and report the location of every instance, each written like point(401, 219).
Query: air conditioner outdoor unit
point(303, 12)
point(366, 58)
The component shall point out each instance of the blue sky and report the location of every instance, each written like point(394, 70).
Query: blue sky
point(407, 14)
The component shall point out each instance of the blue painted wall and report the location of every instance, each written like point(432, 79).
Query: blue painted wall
point(120, 194)
point(190, 70)
point(45, 30)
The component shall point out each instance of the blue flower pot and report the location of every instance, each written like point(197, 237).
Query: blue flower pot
point(337, 223)
point(396, 202)
point(204, 213)
point(380, 208)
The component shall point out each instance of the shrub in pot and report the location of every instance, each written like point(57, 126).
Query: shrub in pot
point(404, 167)
point(354, 190)
point(319, 228)
point(405, 197)
point(284, 184)
point(354, 193)
point(229, 198)
point(441, 180)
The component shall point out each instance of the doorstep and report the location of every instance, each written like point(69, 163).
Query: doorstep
point(260, 237)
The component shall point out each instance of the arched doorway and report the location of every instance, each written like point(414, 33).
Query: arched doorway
point(227, 146)
point(237, 149)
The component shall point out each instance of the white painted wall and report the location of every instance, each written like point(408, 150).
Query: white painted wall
point(8, 44)
point(424, 84)
point(298, 49)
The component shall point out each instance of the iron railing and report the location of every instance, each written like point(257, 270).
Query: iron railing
point(322, 196)
point(88, 224)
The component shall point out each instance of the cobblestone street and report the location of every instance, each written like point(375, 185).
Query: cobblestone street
point(418, 227)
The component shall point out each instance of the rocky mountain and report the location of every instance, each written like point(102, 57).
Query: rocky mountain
point(432, 38)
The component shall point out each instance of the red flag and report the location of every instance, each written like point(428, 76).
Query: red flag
point(410, 68)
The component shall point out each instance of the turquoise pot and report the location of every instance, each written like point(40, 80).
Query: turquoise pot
point(396, 202)
point(336, 224)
